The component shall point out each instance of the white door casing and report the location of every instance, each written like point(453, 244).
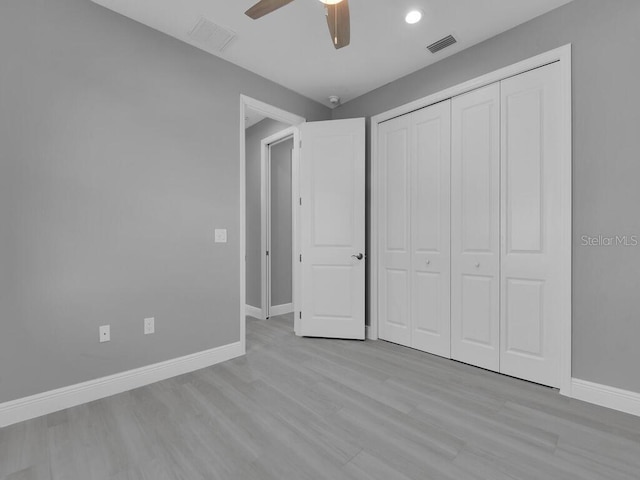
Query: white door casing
point(247, 104)
point(332, 222)
point(531, 226)
point(475, 228)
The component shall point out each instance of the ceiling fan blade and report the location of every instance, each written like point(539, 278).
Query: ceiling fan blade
point(339, 24)
point(263, 7)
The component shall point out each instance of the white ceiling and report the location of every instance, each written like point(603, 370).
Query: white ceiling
point(292, 45)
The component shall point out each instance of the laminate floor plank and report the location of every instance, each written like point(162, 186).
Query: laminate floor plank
point(321, 409)
point(366, 466)
point(24, 448)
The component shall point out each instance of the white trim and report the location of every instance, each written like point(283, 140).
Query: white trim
point(66, 397)
point(254, 312)
point(296, 250)
point(265, 216)
point(373, 255)
point(567, 222)
point(282, 116)
point(558, 54)
point(369, 334)
point(281, 309)
point(605, 396)
point(562, 55)
point(265, 211)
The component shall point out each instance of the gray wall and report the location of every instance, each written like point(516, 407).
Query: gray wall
point(253, 136)
point(119, 151)
point(281, 224)
point(606, 102)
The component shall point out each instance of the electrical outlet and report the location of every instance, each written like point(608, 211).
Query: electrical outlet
point(221, 235)
point(105, 333)
point(149, 326)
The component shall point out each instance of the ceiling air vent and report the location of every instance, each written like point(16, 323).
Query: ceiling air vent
point(211, 35)
point(442, 44)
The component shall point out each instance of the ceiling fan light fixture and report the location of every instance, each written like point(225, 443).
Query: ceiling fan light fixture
point(330, 2)
point(414, 16)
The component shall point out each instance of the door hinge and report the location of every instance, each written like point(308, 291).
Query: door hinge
point(267, 253)
point(300, 258)
point(300, 201)
point(300, 314)
point(300, 144)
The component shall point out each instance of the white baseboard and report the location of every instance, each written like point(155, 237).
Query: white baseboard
point(281, 309)
point(605, 396)
point(66, 397)
point(254, 312)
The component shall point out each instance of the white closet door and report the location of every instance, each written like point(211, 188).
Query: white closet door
point(395, 250)
point(475, 217)
point(531, 226)
point(430, 226)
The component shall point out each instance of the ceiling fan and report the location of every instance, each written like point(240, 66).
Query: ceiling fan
point(337, 17)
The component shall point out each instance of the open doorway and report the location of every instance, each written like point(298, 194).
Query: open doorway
point(277, 203)
point(267, 214)
point(328, 226)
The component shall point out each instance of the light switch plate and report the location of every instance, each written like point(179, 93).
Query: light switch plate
point(105, 333)
point(221, 235)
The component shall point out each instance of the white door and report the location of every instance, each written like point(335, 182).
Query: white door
point(332, 223)
point(394, 275)
point(531, 226)
point(430, 229)
point(415, 156)
point(475, 228)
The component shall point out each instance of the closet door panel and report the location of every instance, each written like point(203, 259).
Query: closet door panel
point(395, 234)
point(430, 226)
point(531, 226)
point(475, 228)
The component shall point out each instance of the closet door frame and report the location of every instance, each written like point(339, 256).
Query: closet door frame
point(561, 55)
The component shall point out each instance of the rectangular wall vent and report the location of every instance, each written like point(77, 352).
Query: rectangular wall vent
point(211, 35)
point(442, 44)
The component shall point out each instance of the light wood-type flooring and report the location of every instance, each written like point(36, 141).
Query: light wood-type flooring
point(318, 409)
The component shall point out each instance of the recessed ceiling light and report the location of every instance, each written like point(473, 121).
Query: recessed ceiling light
point(414, 16)
point(330, 2)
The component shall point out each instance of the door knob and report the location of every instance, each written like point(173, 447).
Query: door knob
point(358, 256)
point(477, 264)
point(428, 262)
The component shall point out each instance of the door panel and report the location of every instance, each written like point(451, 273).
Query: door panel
point(477, 311)
point(531, 225)
point(396, 202)
point(430, 223)
point(476, 171)
point(475, 227)
point(395, 254)
point(397, 298)
point(428, 306)
point(524, 318)
point(332, 222)
point(332, 179)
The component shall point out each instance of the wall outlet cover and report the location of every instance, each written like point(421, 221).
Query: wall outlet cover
point(105, 333)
